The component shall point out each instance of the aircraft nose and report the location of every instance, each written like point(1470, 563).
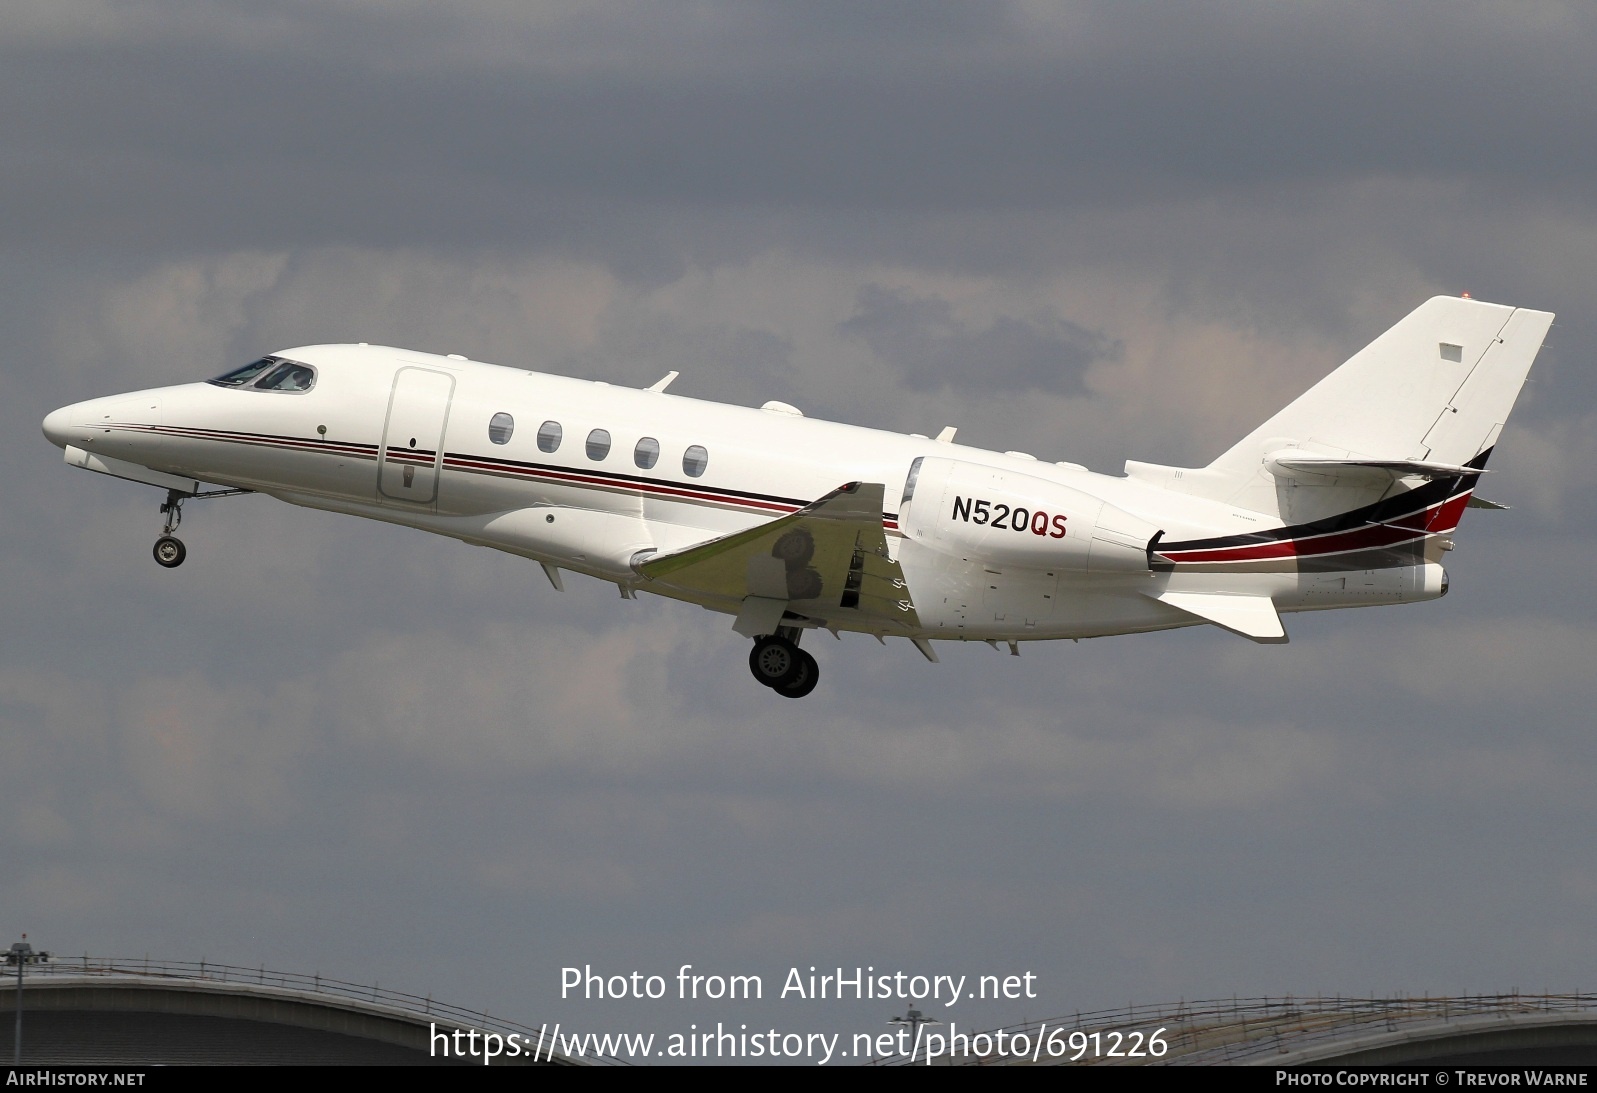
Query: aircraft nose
point(57, 426)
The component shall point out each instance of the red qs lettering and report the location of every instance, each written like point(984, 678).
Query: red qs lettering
point(1039, 523)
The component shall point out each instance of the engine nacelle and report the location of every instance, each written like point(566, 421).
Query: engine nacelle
point(1014, 519)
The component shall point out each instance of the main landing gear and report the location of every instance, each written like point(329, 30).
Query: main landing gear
point(169, 549)
point(778, 663)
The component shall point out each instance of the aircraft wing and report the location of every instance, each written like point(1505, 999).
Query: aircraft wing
point(828, 561)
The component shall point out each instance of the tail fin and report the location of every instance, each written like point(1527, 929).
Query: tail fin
point(1426, 398)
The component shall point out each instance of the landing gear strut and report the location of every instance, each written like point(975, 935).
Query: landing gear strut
point(169, 549)
point(778, 663)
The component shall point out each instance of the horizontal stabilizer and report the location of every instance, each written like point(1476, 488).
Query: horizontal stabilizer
point(1476, 501)
point(1253, 617)
point(1302, 464)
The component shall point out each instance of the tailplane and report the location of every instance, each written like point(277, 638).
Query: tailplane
point(1424, 401)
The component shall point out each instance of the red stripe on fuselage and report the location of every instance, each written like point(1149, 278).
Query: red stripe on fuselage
point(626, 485)
point(488, 466)
point(1436, 520)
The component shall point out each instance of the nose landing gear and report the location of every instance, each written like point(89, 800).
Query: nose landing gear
point(169, 549)
point(777, 662)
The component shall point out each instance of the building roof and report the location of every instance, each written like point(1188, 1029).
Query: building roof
point(107, 1011)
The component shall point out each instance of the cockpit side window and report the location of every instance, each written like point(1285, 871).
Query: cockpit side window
point(270, 374)
point(241, 377)
point(288, 376)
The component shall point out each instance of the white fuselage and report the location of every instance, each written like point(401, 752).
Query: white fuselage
point(406, 437)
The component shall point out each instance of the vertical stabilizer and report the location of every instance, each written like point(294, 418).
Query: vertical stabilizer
point(1432, 392)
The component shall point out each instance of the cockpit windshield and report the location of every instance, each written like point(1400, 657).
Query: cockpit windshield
point(240, 377)
point(270, 374)
point(287, 376)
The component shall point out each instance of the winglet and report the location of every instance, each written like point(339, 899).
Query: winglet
point(1253, 617)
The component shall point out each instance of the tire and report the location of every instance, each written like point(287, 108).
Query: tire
point(170, 552)
point(775, 661)
point(809, 675)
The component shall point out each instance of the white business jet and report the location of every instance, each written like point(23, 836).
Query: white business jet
point(1346, 498)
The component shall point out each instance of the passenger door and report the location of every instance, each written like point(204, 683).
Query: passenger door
point(412, 452)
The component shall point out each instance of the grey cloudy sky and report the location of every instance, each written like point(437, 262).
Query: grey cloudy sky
point(330, 745)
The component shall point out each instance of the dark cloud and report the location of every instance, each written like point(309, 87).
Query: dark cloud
point(225, 143)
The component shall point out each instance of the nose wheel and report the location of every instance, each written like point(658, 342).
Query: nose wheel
point(170, 551)
point(778, 663)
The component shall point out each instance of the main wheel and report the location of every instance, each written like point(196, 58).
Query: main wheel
point(803, 683)
point(170, 551)
point(775, 661)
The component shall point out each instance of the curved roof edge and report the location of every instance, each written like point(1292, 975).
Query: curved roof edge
point(290, 1000)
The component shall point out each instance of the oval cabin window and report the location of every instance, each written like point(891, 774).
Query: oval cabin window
point(647, 453)
point(598, 444)
point(549, 434)
point(500, 428)
point(694, 460)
